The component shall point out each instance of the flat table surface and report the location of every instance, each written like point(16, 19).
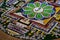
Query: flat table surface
point(4, 36)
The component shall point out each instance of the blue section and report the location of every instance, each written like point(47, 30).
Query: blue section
point(54, 23)
point(10, 2)
point(52, 26)
point(38, 27)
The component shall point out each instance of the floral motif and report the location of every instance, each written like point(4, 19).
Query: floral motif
point(38, 10)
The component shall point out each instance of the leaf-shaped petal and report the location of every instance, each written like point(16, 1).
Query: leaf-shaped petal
point(43, 5)
point(31, 5)
point(48, 11)
point(38, 16)
point(37, 4)
point(27, 8)
point(27, 12)
point(31, 15)
point(48, 7)
point(46, 15)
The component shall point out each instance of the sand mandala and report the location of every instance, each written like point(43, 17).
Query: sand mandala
point(30, 19)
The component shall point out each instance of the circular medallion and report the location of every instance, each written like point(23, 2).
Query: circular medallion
point(38, 10)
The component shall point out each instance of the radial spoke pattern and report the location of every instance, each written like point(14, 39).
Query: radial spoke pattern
point(38, 10)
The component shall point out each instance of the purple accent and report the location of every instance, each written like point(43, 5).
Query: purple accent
point(11, 2)
point(17, 29)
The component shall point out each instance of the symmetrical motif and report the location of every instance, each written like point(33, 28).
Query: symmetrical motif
point(38, 10)
point(30, 19)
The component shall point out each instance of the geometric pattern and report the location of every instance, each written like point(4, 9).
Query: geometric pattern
point(31, 20)
point(38, 10)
